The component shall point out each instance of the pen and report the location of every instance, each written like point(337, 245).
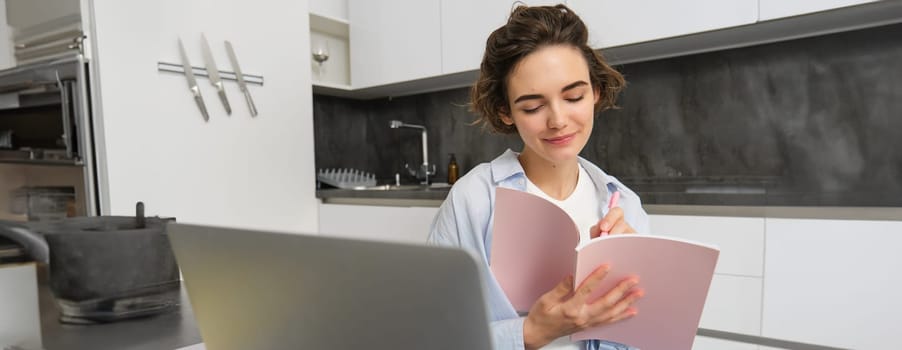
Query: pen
point(615, 196)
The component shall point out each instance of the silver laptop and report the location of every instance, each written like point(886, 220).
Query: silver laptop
point(261, 290)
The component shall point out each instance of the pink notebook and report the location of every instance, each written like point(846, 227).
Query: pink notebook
point(534, 247)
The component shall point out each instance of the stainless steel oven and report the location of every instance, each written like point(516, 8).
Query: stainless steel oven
point(47, 163)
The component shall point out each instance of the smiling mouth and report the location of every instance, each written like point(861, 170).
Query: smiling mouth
point(560, 140)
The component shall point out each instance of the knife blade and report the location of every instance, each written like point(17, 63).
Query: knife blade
point(238, 75)
point(213, 73)
point(192, 82)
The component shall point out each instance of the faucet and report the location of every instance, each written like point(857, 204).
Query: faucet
point(423, 172)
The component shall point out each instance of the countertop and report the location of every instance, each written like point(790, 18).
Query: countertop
point(680, 199)
point(161, 332)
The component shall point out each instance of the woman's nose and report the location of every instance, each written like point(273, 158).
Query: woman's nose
point(557, 119)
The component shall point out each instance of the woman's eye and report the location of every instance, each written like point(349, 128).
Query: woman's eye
point(532, 110)
point(576, 99)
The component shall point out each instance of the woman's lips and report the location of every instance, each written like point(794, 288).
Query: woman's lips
point(560, 140)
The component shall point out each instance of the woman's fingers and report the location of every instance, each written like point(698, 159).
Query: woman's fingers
point(611, 223)
point(581, 294)
point(610, 299)
point(562, 290)
point(621, 227)
point(614, 312)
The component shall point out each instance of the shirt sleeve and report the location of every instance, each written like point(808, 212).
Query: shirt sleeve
point(508, 334)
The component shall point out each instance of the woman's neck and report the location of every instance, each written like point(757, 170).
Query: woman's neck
point(557, 180)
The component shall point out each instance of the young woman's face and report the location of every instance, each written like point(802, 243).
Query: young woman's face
point(552, 103)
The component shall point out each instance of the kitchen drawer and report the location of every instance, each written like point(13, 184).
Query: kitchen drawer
point(733, 305)
point(705, 343)
point(397, 224)
point(834, 282)
point(741, 240)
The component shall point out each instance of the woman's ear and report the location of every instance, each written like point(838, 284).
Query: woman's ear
point(596, 91)
point(505, 115)
point(506, 118)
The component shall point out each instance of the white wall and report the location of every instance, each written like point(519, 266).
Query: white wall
point(234, 171)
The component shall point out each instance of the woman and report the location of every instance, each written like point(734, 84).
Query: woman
point(540, 79)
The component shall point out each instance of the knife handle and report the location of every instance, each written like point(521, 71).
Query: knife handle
point(224, 99)
point(203, 107)
point(250, 102)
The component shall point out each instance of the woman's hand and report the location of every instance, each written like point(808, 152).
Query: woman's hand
point(563, 311)
point(611, 224)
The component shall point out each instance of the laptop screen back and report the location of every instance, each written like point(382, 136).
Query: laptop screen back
point(261, 290)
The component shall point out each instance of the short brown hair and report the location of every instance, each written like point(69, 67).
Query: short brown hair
point(527, 30)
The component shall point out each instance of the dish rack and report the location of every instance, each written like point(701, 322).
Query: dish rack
point(346, 178)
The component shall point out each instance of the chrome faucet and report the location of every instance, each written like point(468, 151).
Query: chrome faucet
point(425, 170)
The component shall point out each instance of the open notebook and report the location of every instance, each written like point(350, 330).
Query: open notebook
point(534, 247)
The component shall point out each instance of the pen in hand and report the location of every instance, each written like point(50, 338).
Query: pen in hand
point(614, 198)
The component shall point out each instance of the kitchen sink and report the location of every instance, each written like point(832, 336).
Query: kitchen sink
point(410, 187)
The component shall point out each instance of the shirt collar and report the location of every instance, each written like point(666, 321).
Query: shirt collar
point(507, 165)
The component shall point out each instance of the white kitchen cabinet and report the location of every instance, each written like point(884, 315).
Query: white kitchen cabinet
point(393, 41)
point(616, 22)
point(834, 282)
point(335, 9)
point(153, 144)
point(740, 239)
point(466, 24)
point(705, 343)
point(382, 223)
point(773, 9)
point(734, 298)
point(733, 305)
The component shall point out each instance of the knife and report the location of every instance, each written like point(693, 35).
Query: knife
point(192, 82)
point(240, 77)
point(213, 73)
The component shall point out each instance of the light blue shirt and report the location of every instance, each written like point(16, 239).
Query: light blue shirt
point(465, 220)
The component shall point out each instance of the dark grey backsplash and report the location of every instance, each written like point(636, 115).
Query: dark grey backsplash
point(815, 121)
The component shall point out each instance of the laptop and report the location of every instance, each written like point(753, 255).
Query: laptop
point(263, 290)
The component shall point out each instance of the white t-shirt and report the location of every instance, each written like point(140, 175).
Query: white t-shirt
point(582, 206)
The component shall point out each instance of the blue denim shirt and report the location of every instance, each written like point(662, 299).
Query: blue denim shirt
point(465, 220)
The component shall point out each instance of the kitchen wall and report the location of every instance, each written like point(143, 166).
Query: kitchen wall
point(235, 170)
point(807, 122)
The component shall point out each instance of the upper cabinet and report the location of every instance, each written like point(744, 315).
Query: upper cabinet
point(466, 24)
point(337, 9)
point(773, 9)
point(394, 41)
point(401, 47)
point(329, 50)
point(616, 22)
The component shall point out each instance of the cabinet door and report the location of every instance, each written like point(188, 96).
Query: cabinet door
point(773, 9)
point(393, 41)
point(616, 22)
point(466, 24)
point(330, 8)
point(395, 224)
point(734, 298)
point(741, 240)
point(833, 282)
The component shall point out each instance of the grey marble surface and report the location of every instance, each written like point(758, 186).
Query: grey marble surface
point(811, 122)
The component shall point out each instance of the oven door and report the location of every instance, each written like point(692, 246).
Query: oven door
point(45, 140)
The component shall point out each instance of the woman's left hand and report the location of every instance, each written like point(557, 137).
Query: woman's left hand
point(611, 224)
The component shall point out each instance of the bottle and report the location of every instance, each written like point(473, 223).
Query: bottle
point(452, 170)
